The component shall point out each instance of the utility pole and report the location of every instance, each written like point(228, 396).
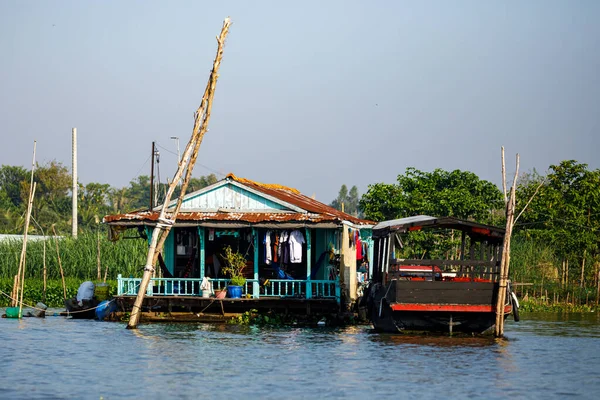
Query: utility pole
point(74, 173)
point(152, 177)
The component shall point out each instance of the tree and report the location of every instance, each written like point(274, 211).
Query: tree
point(52, 202)
point(459, 194)
point(348, 199)
point(565, 214)
point(93, 203)
point(11, 178)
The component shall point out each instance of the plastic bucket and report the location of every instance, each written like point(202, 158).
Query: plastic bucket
point(234, 292)
point(206, 293)
point(102, 291)
point(12, 312)
point(220, 294)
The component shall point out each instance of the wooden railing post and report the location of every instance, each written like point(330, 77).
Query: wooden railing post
point(255, 284)
point(308, 264)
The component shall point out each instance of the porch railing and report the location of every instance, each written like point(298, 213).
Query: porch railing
point(189, 287)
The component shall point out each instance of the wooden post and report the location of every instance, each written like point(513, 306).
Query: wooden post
point(27, 218)
point(21, 272)
point(201, 120)
point(308, 263)
point(256, 260)
point(62, 274)
point(505, 263)
point(581, 284)
point(98, 252)
point(45, 271)
point(74, 188)
point(152, 177)
point(202, 251)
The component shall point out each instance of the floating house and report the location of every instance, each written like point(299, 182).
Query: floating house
point(299, 253)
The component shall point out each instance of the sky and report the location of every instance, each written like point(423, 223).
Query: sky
point(311, 94)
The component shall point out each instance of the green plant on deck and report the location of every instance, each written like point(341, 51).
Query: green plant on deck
point(235, 262)
point(254, 317)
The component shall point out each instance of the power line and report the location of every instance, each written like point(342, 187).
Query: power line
point(197, 163)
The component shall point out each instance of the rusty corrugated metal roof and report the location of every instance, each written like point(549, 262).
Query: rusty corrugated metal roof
point(316, 212)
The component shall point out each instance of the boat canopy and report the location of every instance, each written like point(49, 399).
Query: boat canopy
point(418, 222)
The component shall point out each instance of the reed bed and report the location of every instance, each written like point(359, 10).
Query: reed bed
point(34, 291)
point(78, 256)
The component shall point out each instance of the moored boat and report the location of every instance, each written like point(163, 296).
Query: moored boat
point(83, 306)
point(423, 281)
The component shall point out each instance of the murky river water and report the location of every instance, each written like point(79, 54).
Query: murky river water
point(545, 356)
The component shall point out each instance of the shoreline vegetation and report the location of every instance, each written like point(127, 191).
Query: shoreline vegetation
point(555, 252)
point(534, 272)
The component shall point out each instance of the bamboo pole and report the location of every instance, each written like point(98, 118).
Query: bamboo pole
point(200, 127)
point(23, 256)
point(581, 283)
point(505, 263)
point(45, 272)
point(62, 274)
point(27, 219)
point(98, 253)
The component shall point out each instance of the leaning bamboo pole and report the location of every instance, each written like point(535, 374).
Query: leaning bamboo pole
point(98, 254)
point(45, 273)
point(23, 257)
point(505, 263)
point(62, 274)
point(165, 221)
point(27, 219)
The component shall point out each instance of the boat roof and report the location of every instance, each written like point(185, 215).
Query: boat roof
point(419, 222)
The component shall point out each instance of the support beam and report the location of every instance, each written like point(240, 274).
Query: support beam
point(202, 252)
point(255, 284)
point(308, 263)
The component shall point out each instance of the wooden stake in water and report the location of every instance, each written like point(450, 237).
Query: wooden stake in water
point(21, 272)
point(62, 274)
point(505, 263)
point(166, 221)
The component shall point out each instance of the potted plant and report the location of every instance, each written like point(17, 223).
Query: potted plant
point(235, 262)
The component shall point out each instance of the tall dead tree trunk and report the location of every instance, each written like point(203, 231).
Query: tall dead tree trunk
point(167, 219)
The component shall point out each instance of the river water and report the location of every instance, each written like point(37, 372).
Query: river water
point(545, 356)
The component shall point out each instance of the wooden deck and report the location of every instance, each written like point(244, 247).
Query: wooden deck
point(200, 309)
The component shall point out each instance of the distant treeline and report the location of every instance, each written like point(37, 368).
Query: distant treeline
point(52, 204)
point(555, 243)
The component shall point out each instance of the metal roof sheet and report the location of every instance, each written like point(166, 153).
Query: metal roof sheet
point(315, 211)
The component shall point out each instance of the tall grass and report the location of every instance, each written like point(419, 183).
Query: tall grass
point(535, 269)
point(78, 257)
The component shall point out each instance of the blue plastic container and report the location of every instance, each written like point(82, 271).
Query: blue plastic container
point(104, 309)
point(234, 292)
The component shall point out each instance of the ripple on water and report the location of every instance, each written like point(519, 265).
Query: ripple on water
point(544, 356)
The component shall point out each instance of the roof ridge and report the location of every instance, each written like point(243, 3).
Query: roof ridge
point(265, 185)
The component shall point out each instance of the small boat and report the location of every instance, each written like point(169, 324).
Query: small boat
point(83, 306)
point(84, 309)
point(436, 294)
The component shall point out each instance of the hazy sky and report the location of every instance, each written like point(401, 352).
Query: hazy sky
point(312, 94)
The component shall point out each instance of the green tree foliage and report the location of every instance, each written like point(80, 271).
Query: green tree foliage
point(455, 193)
point(52, 204)
point(11, 179)
point(564, 214)
point(350, 200)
